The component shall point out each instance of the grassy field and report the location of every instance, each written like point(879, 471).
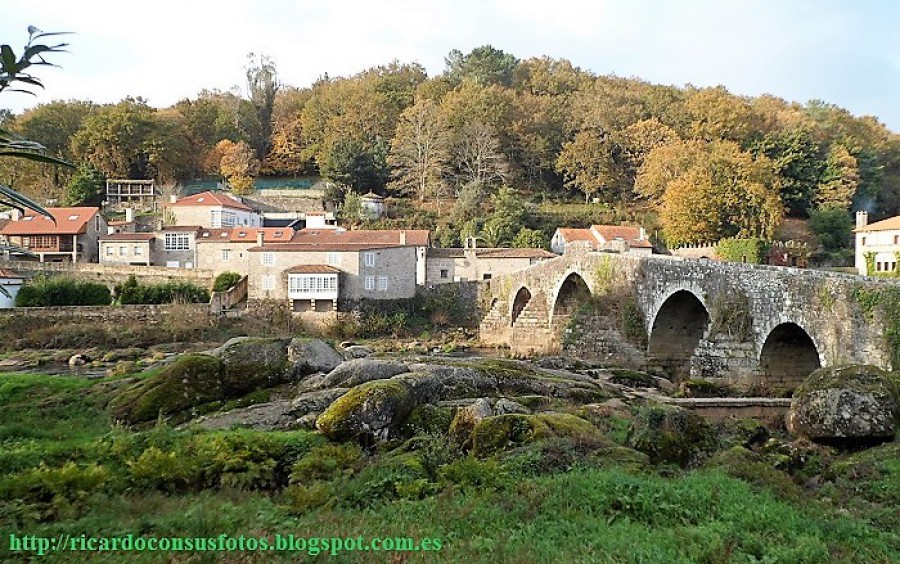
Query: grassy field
point(67, 470)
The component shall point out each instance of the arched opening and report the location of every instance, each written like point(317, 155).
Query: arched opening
point(788, 356)
point(679, 325)
point(572, 293)
point(523, 296)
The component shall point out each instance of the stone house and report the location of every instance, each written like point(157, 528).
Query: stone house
point(73, 237)
point(128, 248)
point(225, 250)
point(615, 238)
point(320, 269)
point(465, 264)
point(877, 243)
point(212, 210)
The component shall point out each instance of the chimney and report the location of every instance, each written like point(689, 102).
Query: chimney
point(173, 198)
point(129, 215)
point(862, 219)
point(643, 234)
point(110, 229)
point(15, 214)
point(259, 237)
point(403, 237)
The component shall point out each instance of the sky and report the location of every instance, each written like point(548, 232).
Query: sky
point(844, 52)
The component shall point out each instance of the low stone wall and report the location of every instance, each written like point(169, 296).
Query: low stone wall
point(124, 314)
point(111, 274)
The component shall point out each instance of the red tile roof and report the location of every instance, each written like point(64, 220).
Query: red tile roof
point(246, 235)
point(488, 252)
point(888, 224)
point(571, 234)
point(212, 199)
point(376, 237)
point(312, 269)
point(69, 221)
point(629, 234)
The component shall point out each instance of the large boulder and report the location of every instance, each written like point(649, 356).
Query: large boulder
point(359, 371)
point(496, 433)
point(252, 363)
point(316, 401)
point(466, 419)
point(846, 403)
point(671, 434)
point(369, 410)
point(269, 416)
point(309, 356)
point(190, 381)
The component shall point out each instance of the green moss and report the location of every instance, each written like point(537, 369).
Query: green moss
point(427, 419)
point(730, 315)
point(743, 464)
point(349, 416)
point(493, 434)
point(882, 304)
point(699, 388)
point(632, 378)
point(669, 434)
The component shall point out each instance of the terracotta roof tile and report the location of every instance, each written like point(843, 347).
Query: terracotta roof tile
point(129, 237)
point(209, 198)
point(312, 269)
point(378, 237)
point(888, 224)
point(488, 252)
point(246, 235)
point(69, 221)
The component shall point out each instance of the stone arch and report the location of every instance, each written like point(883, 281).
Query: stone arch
point(679, 325)
point(788, 356)
point(523, 296)
point(571, 293)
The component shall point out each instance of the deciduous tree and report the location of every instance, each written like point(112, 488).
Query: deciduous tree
point(420, 152)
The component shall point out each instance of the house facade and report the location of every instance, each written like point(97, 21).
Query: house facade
point(73, 237)
point(225, 250)
point(613, 238)
point(128, 248)
point(877, 245)
point(212, 210)
point(466, 264)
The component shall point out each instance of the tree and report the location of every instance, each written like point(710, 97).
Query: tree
point(262, 84)
point(351, 163)
point(591, 163)
point(529, 239)
point(833, 226)
point(840, 179)
point(86, 186)
point(798, 162)
point(239, 165)
point(477, 155)
point(420, 151)
point(484, 65)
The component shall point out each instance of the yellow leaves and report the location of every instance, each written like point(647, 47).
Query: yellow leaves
point(238, 165)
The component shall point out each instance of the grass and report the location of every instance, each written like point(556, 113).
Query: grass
point(533, 504)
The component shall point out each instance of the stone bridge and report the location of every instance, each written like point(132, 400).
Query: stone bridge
point(750, 326)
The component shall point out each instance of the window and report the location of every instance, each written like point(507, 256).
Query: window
point(897, 239)
point(178, 242)
point(138, 251)
point(370, 282)
point(268, 258)
point(73, 218)
point(863, 241)
point(486, 276)
point(229, 219)
point(215, 218)
point(109, 251)
point(123, 250)
point(312, 284)
point(268, 282)
point(445, 273)
point(369, 259)
point(334, 259)
point(382, 283)
point(226, 254)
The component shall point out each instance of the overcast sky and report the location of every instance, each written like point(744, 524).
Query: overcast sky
point(844, 52)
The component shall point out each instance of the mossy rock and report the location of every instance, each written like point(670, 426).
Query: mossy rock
point(370, 409)
point(620, 457)
point(743, 432)
point(189, 381)
point(632, 378)
point(743, 464)
point(699, 388)
point(465, 421)
point(249, 364)
point(670, 434)
point(496, 433)
point(427, 419)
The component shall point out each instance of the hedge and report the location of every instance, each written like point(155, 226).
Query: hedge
point(59, 291)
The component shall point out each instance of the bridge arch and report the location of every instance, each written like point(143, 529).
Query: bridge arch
point(677, 328)
point(570, 294)
point(522, 297)
point(788, 355)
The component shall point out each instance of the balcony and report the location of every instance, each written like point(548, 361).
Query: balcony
point(319, 286)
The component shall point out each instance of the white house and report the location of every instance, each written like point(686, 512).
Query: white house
point(213, 210)
point(878, 242)
point(618, 238)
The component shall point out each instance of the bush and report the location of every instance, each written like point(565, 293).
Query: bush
point(47, 292)
point(225, 281)
point(131, 292)
point(753, 251)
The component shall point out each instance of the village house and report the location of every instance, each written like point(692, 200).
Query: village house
point(471, 263)
point(321, 268)
point(73, 237)
point(128, 248)
point(225, 250)
point(613, 238)
point(877, 244)
point(212, 210)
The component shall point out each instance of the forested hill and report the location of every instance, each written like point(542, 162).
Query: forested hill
point(730, 163)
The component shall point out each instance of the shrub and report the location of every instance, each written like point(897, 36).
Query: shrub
point(326, 463)
point(131, 292)
point(225, 281)
point(754, 251)
point(58, 291)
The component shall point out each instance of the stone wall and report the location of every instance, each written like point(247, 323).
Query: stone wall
point(125, 314)
point(110, 274)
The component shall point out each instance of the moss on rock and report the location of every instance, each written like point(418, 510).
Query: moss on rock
point(427, 419)
point(368, 409)
point(670, 434)
point(746, 465)
point(496, 433)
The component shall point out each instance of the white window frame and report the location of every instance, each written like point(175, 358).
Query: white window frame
point(177, 242)
point(268, 258)
point(215, 219)
point(226, 254)
point(138, 251)
point(334, 259)
point(382, 283)
point(123, 250)
point(268, 282)
point(369, 259)
point(370, 283)
point(109, 250)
